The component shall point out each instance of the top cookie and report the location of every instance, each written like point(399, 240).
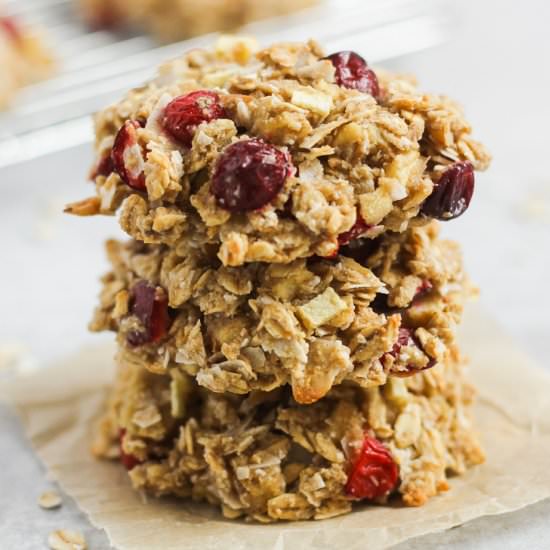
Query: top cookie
point(280, 154)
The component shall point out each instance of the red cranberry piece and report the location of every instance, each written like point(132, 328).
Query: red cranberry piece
point(359, 228)
point(127, 156)
point(452, 193)
point(11, 28)
point(183, 114)
point(406, 338)
point(151, 308)
point(129, 461)
point(374, 473)
point(103, 168)
point(410, 371)
point(353, 72)
point(249, 175)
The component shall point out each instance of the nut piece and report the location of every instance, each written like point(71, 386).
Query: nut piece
point(408, 426)
point(396, 392)
point(64, 539)
point(86, 207)
point(321, 309)
point(49, 500)
point(236, 48)
point(312, 100)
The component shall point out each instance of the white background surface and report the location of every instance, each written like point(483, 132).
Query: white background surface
point(498, 65)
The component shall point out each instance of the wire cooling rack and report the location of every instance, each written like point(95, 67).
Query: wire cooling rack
point(96, 68)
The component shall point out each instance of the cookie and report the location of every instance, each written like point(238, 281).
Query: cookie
point(279, 155)
point(386, 308)
point(265, 457)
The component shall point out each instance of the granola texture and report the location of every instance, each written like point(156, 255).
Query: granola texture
point(285, 309)
point(266, 458)
point(308, 324)
point(171, 20)
point(24, 58)
point(361, 165)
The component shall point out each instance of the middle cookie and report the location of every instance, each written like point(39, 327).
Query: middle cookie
point(387, 308)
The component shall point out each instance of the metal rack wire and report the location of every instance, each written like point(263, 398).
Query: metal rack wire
point(98, 67)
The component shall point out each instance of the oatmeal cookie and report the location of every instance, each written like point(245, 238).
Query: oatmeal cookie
point(385, 308)
point(279, 155)
point(172, 20)
point(24, 58)
point(266, 458)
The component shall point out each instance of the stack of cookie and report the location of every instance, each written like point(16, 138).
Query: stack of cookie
point(285, 309)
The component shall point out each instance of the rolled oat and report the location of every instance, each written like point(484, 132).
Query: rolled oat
point(50, 500)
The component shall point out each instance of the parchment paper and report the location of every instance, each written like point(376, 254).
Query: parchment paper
point(59, 405)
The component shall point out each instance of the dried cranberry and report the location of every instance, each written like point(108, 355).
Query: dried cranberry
point(359, 228)
point(11, 28)
point(183, 114)
point(129, 461)
point(151, 308)
point(411, 371)
point(452, 193)
point(374, 473)
point(353, 72)
point(407, 338)
point(127, 156)
point(404, 339)
point(103, 168)
point(380, 303)
point(249, 175)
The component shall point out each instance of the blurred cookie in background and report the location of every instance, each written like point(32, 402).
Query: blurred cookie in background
point(24, 58)
point(171, 20)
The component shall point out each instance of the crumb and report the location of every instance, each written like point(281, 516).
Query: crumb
point(64, 539)
point(49, 500)
point(15, 357)
point(536, 208)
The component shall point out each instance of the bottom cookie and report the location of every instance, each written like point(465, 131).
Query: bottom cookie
point(266, 458)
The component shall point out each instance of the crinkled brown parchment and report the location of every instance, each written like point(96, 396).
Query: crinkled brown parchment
point(59, 405)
